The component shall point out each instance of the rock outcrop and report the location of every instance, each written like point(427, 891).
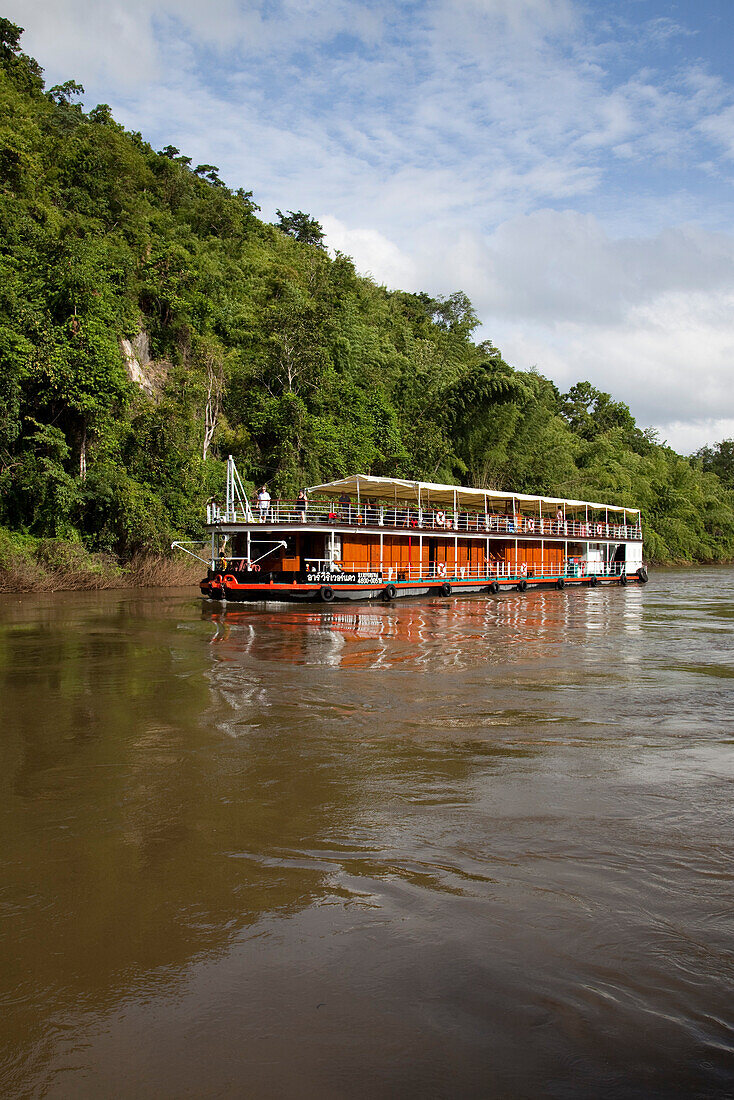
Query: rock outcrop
point(147, 373)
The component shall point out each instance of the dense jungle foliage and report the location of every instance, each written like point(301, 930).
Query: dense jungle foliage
point(261, 346)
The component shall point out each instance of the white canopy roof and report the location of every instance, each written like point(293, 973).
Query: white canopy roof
point(429, 494)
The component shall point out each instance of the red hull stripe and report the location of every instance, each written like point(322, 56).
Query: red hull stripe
point(401, 585)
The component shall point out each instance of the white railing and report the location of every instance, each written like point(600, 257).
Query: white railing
point(500, 571)
point(414, 519)
point(493, 571)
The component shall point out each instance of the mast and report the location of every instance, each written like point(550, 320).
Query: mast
point(236, 494)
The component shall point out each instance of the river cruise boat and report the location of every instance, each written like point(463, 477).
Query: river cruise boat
point(365, 537)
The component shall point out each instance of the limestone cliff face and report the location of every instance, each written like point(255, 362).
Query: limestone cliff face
point(147, 373)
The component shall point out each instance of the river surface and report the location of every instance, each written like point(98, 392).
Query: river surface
point(476, 847)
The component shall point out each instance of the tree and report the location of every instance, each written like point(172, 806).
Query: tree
point(210, 173)
point(101, 114)
point(719, 459)
point(211, 356)
point(247, 200)
point(589, 412)
point(301, 227)
point(64, 93)
point(25, 72)
point(456, 314)
point(9, 40)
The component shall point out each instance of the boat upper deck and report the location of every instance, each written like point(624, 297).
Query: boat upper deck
point(371, 503)
point(283, 513)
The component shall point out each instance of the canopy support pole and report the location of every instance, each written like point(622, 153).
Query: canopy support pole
point(181, 546)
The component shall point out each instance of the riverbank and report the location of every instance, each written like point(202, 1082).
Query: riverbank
point(61, 565)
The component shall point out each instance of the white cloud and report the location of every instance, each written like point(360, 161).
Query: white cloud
point(669, 360)
point(720, 127)
point(378, 256)
point(685, 437)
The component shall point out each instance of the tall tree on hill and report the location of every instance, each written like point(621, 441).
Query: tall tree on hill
point(301, 227)
point(23, 70)
point(588, 411)
point(719, 459)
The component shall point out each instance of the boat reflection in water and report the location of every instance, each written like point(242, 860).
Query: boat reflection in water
point(470, 631)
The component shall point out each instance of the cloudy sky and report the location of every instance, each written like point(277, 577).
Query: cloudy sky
point(567, 163)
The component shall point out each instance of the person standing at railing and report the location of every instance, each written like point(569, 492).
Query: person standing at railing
point(263, 504)
point(559, 519)
point(345, 507)
point(301, 506)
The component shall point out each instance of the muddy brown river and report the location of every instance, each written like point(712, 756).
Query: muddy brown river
point(476, 847)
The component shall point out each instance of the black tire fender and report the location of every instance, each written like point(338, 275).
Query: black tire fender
point(445, 589)
point(389, 592)
point(494, 588)
point(642, 574)
point(326, 593)
point(623, 579)
point(560, 584)
point(522, 586)
point(593, 580)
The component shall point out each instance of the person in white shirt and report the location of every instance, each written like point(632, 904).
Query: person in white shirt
point(263, 503)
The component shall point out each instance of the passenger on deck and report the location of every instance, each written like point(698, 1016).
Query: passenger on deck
point(345, 507)
point(559, 519)
point(263, 504)
point(301, 506)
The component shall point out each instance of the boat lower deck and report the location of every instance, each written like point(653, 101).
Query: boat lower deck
point(229, 588)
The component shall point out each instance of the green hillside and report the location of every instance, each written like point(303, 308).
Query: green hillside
point(151, 323)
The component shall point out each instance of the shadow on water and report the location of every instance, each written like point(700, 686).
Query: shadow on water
point(466, 847)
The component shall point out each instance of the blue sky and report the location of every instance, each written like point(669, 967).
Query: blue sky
point(568, 164)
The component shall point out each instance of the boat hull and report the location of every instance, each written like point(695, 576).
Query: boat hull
point(229, 590)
